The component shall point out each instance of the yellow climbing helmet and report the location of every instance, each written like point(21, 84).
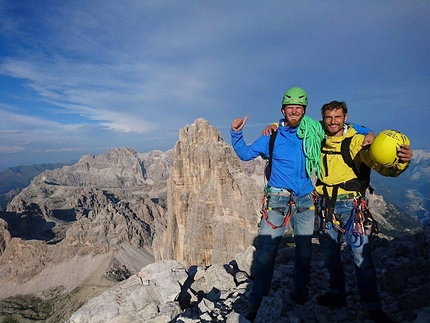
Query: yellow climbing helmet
point(383, 149)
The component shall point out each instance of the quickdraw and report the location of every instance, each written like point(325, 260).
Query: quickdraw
point(370, 225)
point(323, 224)
point(354, 230)
point(325, 218)
point(265, 207)
point(360, 223)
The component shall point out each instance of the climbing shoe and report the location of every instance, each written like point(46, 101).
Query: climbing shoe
point(300, 297)
point(332, 300)
point(379, 316)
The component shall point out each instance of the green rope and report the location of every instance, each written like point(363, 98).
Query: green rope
point(312, 133)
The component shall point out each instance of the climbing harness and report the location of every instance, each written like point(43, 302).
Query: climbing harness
point(265, 207)
point(360, 222)
point(325, 218)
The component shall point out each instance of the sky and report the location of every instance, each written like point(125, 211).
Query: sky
point(81, 77)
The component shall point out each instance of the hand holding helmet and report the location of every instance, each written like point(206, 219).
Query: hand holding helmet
point(390, 147)
point(404, 153)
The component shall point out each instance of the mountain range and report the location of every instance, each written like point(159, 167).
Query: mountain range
point(409, 193)
point(76, 231)
point(411, 190)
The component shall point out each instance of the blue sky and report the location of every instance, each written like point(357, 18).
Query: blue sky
point(81, 77)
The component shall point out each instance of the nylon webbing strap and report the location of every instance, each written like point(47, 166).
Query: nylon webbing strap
point(330, 201)
point(268, 168)
point(287, 216)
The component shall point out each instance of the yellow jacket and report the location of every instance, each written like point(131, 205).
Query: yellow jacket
point(335, 171)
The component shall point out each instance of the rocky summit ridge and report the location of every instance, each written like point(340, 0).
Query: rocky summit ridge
point(167, 291)
point(176, 228)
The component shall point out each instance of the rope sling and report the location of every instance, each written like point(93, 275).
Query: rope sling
point(312, 134)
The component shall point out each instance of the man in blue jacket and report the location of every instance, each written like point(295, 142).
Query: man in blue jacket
point(288, 193)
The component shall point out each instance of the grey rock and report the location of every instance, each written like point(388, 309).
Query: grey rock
point(244, 260)
point(212, 204)
point(423, 316)
point(229, 304)
point(215, 276)
point(5, 236)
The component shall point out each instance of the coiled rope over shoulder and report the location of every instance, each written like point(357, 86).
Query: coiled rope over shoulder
point(312, 133)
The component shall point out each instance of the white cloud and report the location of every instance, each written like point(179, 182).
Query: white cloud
point(10, 149)
point(64, 150)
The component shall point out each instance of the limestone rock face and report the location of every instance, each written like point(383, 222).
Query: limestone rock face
point(117, 168)
point(4, 236)
point(116, 190)
point(213, 206)
point(161, 291)
point(79, 230)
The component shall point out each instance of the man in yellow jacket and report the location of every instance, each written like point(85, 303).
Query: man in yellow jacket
point(340, 188)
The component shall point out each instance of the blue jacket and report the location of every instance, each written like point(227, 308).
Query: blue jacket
point(288, 162)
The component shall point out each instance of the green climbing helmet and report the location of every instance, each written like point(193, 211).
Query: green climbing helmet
point(295, 95)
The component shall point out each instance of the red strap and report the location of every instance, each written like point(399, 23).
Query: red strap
point(266, 217)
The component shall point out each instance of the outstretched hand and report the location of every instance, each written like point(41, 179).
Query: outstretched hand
point(238, 124)
point(404, 153)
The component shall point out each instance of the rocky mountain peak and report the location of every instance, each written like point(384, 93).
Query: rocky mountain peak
point(212, 205)
point(118, 167)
